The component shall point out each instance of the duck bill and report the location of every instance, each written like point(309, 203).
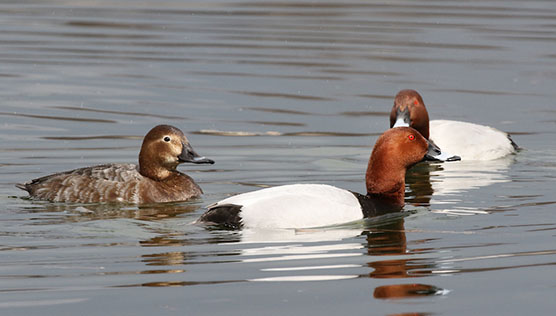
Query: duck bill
point(189, 155)
point(435, 154)
point(402, 118)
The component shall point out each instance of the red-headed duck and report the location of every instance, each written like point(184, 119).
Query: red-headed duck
point(154, 180)
point(317, 205)
point(466, 140)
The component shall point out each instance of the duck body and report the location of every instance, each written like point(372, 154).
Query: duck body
point(317, 205)
point(154, 180)
point(457, 140)
point(294, 206)
point(471, 141)
point(111, 183)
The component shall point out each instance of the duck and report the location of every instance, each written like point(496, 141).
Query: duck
point(154, 180)
point(457, 140)
point(319, 205)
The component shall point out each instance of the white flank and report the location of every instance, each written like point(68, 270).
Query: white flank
point(297, 206)
point(470, 141)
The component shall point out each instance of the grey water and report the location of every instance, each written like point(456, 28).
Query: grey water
point(277, 92)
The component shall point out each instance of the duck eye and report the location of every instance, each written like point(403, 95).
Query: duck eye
point(166, 139)
point(411, 137)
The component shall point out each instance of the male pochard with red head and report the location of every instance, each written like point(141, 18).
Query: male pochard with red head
point(154, 180)
point(457, 140)
point(317, 205)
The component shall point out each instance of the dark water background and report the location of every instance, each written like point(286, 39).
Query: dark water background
point(277, 92)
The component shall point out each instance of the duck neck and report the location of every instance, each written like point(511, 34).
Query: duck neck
point(153, 170)
point(386, 182)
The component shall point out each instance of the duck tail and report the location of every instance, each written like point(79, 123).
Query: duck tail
point(23, 186)
point(515, 146)
point(223, 216)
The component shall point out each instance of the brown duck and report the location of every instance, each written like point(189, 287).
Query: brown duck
point(154, 180)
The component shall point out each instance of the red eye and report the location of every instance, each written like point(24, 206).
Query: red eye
point(415, 102)
point(411, 137)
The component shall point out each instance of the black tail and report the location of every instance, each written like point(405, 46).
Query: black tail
point(222, 216)
point(23, 186)
point(516, 147)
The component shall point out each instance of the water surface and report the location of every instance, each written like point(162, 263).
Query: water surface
point(276, 93)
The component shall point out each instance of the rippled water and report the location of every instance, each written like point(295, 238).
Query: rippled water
point(277, 93)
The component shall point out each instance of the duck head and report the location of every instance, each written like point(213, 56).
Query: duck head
point(164, 148)
point(409, 110)
point(394, 152)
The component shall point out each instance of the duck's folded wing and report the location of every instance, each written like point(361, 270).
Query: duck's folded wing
point(102, 183)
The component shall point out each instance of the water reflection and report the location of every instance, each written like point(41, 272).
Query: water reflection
point(419, 190)
point(412, 314)
point(390, 241)
point(177, 283)
point(68, 212)
point(453, 178)
point(443, 183)
point(398, 291)
point(174, 258)
point(302, 255)
point(253, 236)
point(387, 240)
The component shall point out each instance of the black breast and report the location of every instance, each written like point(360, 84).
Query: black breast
point(375, 206)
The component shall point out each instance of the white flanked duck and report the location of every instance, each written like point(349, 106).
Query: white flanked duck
point(154, 180)
point(457, 140)
point(317, 205)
